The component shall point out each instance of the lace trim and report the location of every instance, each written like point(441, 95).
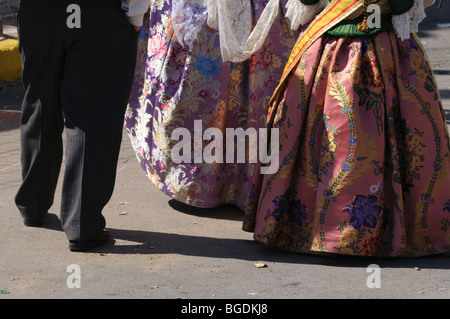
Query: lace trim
point(408, 22)
point(299, 14)
point(237, 40)
point(233, 20)
point(188, 17)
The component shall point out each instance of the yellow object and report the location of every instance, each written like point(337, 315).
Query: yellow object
point(10, 62)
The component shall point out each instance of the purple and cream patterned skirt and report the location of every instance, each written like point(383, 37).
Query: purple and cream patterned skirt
point(364, 156)
point(174, 86)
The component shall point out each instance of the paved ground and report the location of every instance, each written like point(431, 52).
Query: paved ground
point(166, 250)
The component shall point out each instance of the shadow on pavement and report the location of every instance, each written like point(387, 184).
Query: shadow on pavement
point(152, 243)
point(200, 246)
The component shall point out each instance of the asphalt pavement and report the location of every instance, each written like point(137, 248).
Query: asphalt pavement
point(166, 250)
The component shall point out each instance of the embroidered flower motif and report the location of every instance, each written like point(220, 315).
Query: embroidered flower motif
point(207, 67)
point(374, 189)
point(345, 167)
point(437, 166)
point(157, 46)
point(287, 205)
point(265, 57)
point(416, 59)
point(203, 94)
point(370, 74)
point(161, 165)
point(177, 56)
point(364, 211)
point(161, 140)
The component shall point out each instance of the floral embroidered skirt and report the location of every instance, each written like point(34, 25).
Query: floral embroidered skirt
point(175, 86)
point(364, 156)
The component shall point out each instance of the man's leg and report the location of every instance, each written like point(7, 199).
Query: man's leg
point(99, 68)
point(41, 121)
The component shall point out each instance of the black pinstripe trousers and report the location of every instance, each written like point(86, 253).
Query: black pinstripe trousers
point(77, 80)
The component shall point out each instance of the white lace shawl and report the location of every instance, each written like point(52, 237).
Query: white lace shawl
point(188, 17)
point(233, 20)
point(408, 22)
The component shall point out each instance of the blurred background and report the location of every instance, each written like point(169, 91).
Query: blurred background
point(8, 13)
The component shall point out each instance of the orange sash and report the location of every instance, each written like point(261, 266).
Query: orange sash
point(334, 13)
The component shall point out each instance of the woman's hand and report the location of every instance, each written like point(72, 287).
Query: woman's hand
point(428, 3)
point(137, 28)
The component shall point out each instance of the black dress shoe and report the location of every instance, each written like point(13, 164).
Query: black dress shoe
point(84, 245)
point(33, 222)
